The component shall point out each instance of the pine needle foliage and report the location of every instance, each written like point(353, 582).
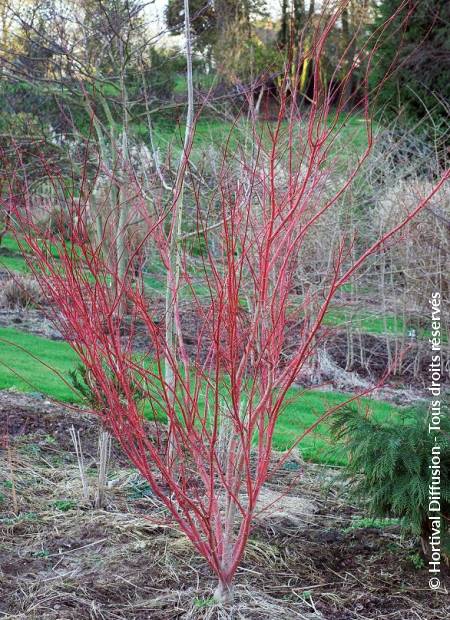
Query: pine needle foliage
point(388, 465)
point(90, 392)
point(79, 378)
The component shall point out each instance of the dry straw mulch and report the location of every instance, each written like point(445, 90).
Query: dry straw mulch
point(62, 560)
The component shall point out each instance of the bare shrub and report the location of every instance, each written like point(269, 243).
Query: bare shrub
point(21, 292)
point(56, 220)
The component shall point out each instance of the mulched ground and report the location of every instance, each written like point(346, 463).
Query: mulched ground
point(62, 560)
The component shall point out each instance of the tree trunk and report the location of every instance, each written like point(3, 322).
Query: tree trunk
point(350, 45)
point(224, 594)
point(284, 30)
point(104, 454)
point(173, 278)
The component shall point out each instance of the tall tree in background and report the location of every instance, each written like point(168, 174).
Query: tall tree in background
point(221, 28)
point(283, 35)
point(203, 23)
point(294, 15)
point(420, 88)
point(296, 26)
point(299, 16)
point(357, 18)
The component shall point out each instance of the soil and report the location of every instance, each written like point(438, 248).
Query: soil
point(61, 559)
point(32, 415)
point(29, 320)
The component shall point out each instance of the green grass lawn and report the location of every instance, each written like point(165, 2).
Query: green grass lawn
point(13, 264)
point(10, 244)
point(368, 322)
point(12, 261)
point(374, 323)
point(21, 370)
point(168, 135)
point(304, 411)
point(10, 258)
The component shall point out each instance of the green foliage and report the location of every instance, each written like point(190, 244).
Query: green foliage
point(388, 464)
point(91, 392)
point(210, 19)
point(256, 58)
point(417, 561)
point(200, 603)
point(203, 24)
point(222, 31)
point(29, 110)
point(18, 125)
point(23, 517)
point(79, 378)
point(160, 72)
point(64, 505)
point(44, 553)
point(359, 523)
point(141, 489)
point(196, 245)
point(420, 83)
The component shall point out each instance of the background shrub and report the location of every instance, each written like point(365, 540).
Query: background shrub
point(21, 292)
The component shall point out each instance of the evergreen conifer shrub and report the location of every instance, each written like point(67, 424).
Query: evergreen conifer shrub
point(389, 471)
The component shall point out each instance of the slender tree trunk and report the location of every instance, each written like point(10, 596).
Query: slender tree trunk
point(384, 307)
point(259, 100)
point(223, 594)
point(284, 31)
point(350, 45)
point(95, 209)
point(104, 454)
point(123, 198)
point(173, 279)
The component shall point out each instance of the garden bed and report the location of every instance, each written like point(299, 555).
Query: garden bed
point(63, 560)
